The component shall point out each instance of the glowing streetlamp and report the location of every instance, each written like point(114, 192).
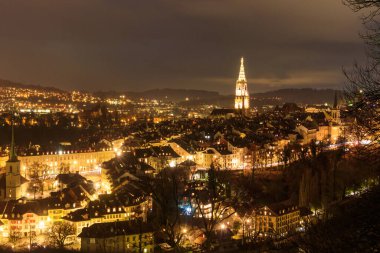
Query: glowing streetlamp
point(41, 225)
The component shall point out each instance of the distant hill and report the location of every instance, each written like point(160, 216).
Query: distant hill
point(199, 97)
point(277, 97)
point(175, 95)
point(301, 96)
point(7, 83)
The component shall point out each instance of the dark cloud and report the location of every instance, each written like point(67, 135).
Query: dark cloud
point(142, 44)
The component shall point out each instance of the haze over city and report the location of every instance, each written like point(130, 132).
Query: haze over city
point(189, 126)
point(140, 45)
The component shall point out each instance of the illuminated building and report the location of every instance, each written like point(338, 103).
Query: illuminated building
point(12, 183)
point(308, 131)
point(21, 218)
point(21, 223)
point(158, 157)
point(183, 149)
point(223, 113)
point(128, 203)
point(115, 237)
point(276, 220)
point(335, 111)
point(222, 157)
point(241, 95)
point(82, 161)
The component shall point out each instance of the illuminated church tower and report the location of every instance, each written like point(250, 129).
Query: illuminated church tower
point(335, 111)
point(241, 95)
point(12, 174)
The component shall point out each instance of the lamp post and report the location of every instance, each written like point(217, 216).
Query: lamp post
point(222, 228)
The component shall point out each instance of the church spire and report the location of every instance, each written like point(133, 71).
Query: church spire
point(242, 71)
point(241, 93)
point(12, 152)
point(336, 100)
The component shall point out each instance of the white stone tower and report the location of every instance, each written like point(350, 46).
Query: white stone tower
point(241, 94)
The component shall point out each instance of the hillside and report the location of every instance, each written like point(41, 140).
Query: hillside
point(7, 83)
point(199, 97)
point(175, 95)
point(302, 96)
point(277, 97)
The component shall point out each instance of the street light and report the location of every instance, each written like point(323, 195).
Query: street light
point(41, 225)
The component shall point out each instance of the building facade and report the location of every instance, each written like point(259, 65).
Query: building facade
point(81, 161)
point(118, 237)
point(276, 220)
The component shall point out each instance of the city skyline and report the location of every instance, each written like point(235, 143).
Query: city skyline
point(189, 126)
point(128, 46)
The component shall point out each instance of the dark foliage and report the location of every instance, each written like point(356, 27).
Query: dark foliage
point(362, 91)
point(354, 228)
point(40, 250)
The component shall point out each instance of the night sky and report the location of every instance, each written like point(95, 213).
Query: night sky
point(142, 44)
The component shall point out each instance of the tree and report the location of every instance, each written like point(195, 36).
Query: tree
point(167, 190)
point(362, 90)
point(59, 234)
point(353, 228)
point(38, 173)
point(358, 5)
point(64, 168)
point(221, 207)
point(363, 87)
point(287, 154)
point(14, 237)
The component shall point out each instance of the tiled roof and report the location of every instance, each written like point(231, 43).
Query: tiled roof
point(110, 229)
